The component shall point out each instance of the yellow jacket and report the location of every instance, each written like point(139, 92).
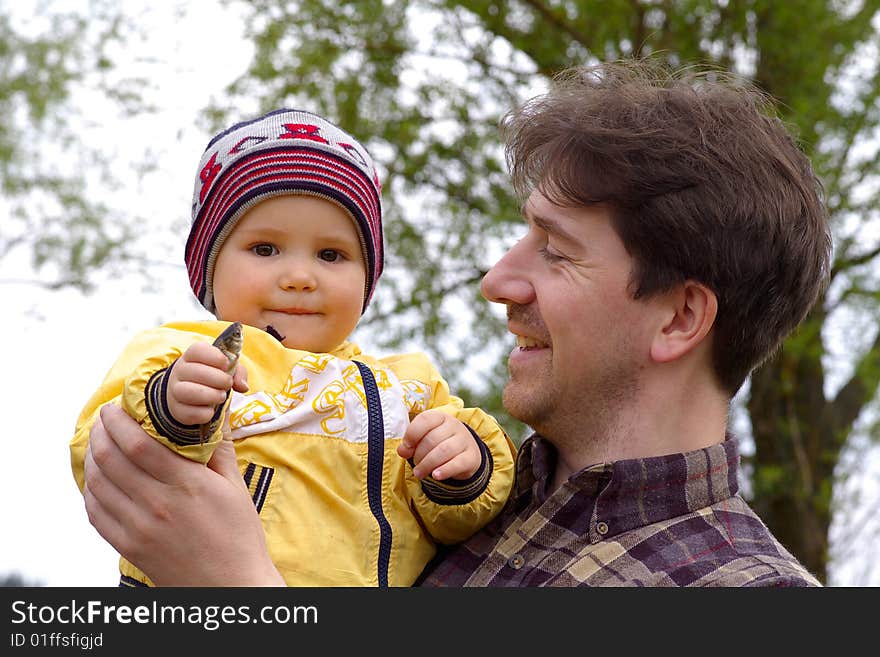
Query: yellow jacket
point(338, 505)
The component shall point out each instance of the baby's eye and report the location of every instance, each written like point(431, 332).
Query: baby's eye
point(264, 250)
point(329, 255)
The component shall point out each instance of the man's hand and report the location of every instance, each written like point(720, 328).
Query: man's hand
point(199, 382)
point(440, 446)
point(181, 523)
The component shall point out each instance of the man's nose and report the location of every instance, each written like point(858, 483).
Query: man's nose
point(509, 279)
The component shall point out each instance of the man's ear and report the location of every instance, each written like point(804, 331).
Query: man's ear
point(690, 309)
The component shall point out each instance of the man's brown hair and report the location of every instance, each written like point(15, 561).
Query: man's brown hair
point(704, 183)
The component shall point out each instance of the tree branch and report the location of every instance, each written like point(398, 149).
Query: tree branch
point(856, 393)
point(441, 293)
point(552, 17)
point(855, 261)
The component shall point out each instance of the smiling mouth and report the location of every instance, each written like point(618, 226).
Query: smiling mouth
point(524, 342)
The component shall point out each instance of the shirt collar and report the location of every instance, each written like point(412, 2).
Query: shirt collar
point(631, 493)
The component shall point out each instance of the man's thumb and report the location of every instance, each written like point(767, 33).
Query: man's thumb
point(223, 460)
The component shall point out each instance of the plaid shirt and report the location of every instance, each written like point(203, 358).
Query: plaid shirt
point(674, 520)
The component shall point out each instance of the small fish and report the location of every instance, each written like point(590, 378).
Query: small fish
point(229, 342)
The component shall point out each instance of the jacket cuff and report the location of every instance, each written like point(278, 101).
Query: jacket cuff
point(452, 492)
point(156, 400)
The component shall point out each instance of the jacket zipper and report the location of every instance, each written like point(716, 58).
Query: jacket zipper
point(375, 463)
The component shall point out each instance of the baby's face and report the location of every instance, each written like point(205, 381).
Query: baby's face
point(294, 263)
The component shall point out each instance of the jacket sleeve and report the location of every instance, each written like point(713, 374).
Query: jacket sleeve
point(135, 382)
point(453, 510)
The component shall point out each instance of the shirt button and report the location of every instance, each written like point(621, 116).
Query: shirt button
point(516, 561)
point(602, 528)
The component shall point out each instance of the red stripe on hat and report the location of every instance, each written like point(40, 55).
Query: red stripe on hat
point(312, 163)
point(250, 173)
point(249, 176)
point(310, 168)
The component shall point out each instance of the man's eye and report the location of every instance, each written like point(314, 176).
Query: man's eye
point(549, 255)
point(329, 255)
point(264, 250)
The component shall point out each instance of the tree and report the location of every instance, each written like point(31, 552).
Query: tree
point(425, 81)
point(17, 580)
point(48, 54)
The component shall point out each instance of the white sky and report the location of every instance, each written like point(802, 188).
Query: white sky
point(58, 345)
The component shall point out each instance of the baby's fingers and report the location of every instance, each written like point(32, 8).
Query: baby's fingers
point(206, 354)
point(459, 467)
point(420, 426)
point(443, 453)
point(200, 374)
point(405, 450)
point(239, 379)
point(188, 393)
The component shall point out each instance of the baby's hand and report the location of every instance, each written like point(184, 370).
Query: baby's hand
point(440, 446)
point(199, 383)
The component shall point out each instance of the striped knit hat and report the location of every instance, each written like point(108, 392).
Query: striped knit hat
point(283, 152)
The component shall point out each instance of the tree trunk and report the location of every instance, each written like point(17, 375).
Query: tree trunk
point(795, 448)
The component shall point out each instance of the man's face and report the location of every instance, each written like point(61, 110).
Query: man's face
point(581, 338)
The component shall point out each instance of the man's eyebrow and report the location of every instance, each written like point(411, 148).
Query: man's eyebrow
point(548, 225)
